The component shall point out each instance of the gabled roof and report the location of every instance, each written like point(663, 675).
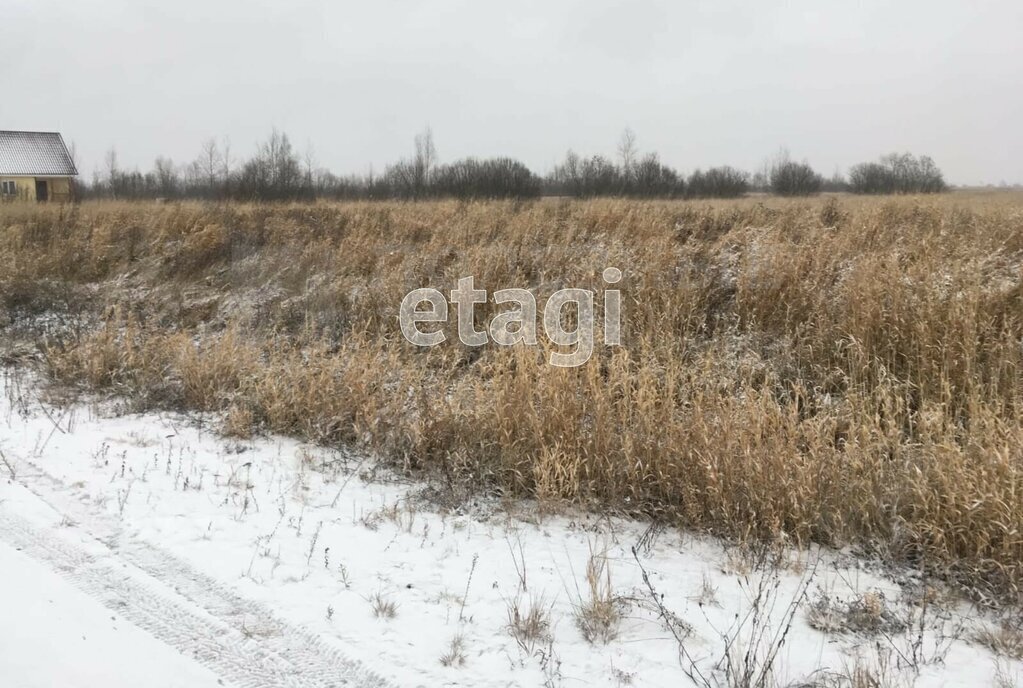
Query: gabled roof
point(34, 154)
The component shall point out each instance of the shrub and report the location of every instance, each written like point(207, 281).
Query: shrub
point(718, 182)
point(651, 179)
point(791, 178)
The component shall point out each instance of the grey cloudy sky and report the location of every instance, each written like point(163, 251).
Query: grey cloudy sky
point(703, 83)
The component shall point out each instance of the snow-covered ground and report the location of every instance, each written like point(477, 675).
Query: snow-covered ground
point(54, 634)
point(147, 550)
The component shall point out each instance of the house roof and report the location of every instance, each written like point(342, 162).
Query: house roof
point(34, 153)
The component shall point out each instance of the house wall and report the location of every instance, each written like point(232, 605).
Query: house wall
point(59, 187)
point(26, 187)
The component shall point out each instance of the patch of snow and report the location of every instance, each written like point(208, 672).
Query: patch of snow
point(52, 634)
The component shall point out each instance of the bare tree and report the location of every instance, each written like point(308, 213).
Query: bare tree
point(411, 178)
point(897, 173)
point(487, 178)
point(627, 150)
point(110, 160)
point(225, 157)
point(790, 178)
point(566, 178)
point(424, 161)
point(166, 178)
point(652, 179)
point(309, 162)
point(210, 162)
point(275, 173)
point(73, 154)
point(717, 182)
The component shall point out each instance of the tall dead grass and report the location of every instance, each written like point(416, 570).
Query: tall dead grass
point(840, 371)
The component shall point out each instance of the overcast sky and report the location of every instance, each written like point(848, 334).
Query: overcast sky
point(702, 83)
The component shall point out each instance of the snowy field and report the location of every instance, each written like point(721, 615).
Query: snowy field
point(147, 550)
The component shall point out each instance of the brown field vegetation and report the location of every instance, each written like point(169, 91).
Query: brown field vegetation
point(844, 371)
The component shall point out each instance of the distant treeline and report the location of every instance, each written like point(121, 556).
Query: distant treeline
point(277, 172)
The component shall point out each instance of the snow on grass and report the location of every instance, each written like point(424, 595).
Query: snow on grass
point(486, 594)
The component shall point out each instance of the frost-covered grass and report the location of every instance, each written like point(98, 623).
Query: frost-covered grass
point(839, 371)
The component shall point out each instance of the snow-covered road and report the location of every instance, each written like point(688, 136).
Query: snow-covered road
point(176, 604)
point(54, 634)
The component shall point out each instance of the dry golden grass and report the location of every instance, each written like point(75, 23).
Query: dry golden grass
point(1006, 640)
point(529, 621)
point(599, 610)
point(838, 370)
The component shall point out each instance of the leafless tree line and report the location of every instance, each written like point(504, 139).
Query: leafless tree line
point(897, 173)
point(278, 172)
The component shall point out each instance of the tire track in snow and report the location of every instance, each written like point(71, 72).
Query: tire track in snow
point(239, 639)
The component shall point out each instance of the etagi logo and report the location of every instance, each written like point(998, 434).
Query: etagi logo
point(517, 326)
